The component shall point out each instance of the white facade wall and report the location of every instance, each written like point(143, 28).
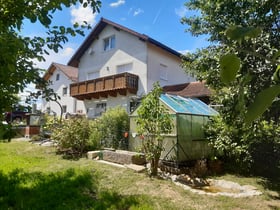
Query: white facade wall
point(111, 102)
point(143, 59)
point(128, 49)
point(158, 60)
point(72, 105)
point(96, 62)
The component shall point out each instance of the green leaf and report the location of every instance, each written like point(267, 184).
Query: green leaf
point(62, 29)
point(230, 64)
point(276, 75)
point(239, 33)
point(262, 101)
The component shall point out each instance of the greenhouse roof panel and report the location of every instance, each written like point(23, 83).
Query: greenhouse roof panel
point(187, 105)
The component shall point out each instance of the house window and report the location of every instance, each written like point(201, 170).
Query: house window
point(64, 91)
point(109, 43)
point(57, 77)
point(93, 75)
point(163, 72)
point(100, 108)
point(124, 68)
point(64, 108)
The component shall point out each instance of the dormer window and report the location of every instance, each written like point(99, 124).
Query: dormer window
point(109, 43)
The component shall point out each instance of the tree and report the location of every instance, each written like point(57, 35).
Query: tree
point(239, 66)
point(18, 52)
point(153, 122)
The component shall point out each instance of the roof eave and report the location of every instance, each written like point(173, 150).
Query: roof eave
point(100, 26)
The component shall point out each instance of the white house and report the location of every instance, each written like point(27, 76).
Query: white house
point(60, 77)
point(117, 65)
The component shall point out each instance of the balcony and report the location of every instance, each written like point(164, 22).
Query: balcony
point(123, 84)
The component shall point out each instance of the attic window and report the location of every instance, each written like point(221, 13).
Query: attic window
point(109, 43)
point(57, 77)
point(163, 72)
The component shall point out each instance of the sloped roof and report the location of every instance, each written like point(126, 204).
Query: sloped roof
point(192, 89)
point(97, 30)
point(184, 105)
point(69, 71)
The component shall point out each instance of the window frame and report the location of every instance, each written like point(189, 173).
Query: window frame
point(109, 43)
point(163, 72)
point(64, 93)
point(100, 108)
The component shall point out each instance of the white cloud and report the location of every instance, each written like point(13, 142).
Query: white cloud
point(181, 12)
point(184, 52)
point(80, 14)
point(67, 52)
point(63, 56)
point(138, 11)
point(117, 3)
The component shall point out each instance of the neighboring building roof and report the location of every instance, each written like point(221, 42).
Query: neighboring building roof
point(192, 89)
point(184, 105)
point(69, 71)
point(100, 26)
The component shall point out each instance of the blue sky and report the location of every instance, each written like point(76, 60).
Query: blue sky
point(158, 19)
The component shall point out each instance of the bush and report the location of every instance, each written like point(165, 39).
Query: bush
point(95, 136)
point(109, 129)
point(247, 148)
point(49, 123)
point(6, 132)
point(72, 136)
point(75, 136)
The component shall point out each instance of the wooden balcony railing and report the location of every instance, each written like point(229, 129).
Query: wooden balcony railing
point(123, 84)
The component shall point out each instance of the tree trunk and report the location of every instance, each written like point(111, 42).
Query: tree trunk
point(154, 166)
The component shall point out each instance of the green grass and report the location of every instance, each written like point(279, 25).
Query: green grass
point(34, 177)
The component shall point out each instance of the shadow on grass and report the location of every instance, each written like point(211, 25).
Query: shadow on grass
point(61, 190)
point(272, 184)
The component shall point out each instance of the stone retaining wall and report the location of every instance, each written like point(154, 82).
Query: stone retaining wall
point(119, 156)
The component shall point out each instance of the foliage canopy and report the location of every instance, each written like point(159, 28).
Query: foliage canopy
point(19, 52)
point(241, 66)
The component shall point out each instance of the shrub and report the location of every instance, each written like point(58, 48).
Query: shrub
point(72, 136)
point(6, 132)
point(95, 136)
point(109, 129)
point(49, 123)
point(248, 148)
point(75, 136)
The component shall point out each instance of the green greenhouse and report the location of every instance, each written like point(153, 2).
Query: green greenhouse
point(186, 142)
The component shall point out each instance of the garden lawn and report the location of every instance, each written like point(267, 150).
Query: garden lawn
point(34, 177)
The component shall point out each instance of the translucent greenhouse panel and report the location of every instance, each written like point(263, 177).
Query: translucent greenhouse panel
point(184, 126)
point(170, 148)
point(197, 127)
